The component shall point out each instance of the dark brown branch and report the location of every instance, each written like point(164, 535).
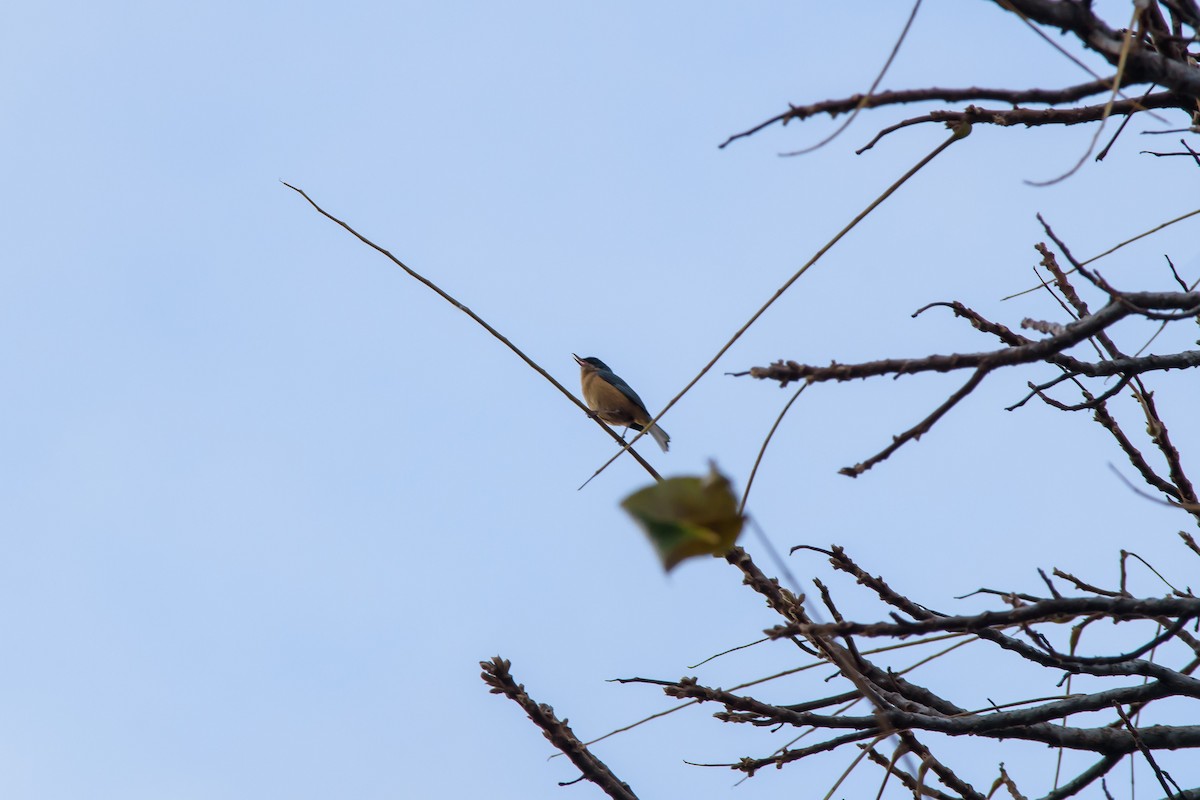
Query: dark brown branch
point(844, 563)
point(1144, 65)
point(1034, 117)
point(1085, 778)
point(903, 709)
point(983, 723)
point(910, 783)
point(1121, 128)
point(1162, 438)
point(1133, 366)
point(1161, 60)
point(1190, 541)
point(1020, 351)
point(1089, 403)
point(945, 775)
point(1134, 455)
point(833, 108)
point(1064, 285)
point(1042, 350)
point(781, 601)
point(1087, 587)
point(1057, 610)
point(1022, 724)
point(752, 765)
point(1191, 154)
point(496, 675)
point(864, 675)
point(1145, 751)
point(920, 429)
point(1187, 794)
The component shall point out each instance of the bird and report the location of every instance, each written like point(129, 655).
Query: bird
point(612, 400)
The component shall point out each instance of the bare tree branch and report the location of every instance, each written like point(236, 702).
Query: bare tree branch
point(1020, 351)
point(1034, 117)
point(833, 108)
point(1053, 610)
point(496, 675)
point(1145, 64)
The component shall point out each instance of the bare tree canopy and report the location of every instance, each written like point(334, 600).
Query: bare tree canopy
point(878, 713)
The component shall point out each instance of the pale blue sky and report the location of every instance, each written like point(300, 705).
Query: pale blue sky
point(269, 501)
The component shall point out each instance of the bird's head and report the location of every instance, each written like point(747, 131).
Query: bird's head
point(591, 362)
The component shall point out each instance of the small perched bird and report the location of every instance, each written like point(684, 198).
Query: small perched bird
point(611, 399)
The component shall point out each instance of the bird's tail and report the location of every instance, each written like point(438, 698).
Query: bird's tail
point(657, 433)
point(660, 436)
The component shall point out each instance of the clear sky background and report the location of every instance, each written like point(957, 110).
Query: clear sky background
point(268, 501)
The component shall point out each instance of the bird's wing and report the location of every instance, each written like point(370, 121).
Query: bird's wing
point(625, 389)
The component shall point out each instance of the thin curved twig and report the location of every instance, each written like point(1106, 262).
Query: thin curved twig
point(874, 85)
point(1113, 249)
point(960, 132)
point(762, 450)
point(480, 320)
point(1122, 61)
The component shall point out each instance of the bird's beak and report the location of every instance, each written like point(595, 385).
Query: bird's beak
point(578, 360)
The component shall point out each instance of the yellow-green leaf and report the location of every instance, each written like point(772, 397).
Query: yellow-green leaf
point(687, 516)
